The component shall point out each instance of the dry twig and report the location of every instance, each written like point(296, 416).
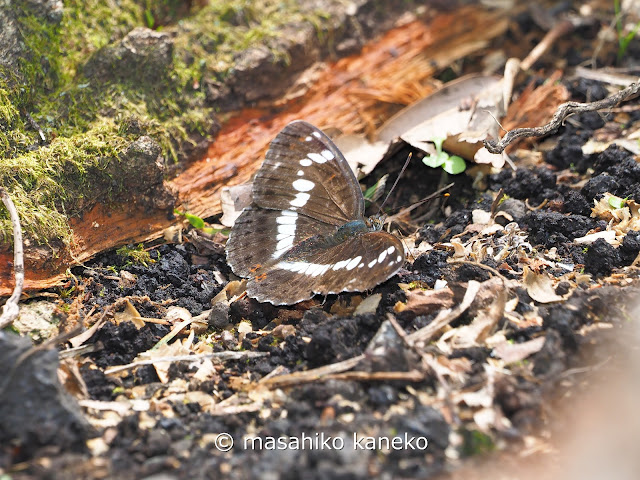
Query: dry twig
point(308, 376)
point(10, 309)
point(563, 111)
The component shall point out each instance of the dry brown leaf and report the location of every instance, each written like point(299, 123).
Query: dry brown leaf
point(233, 200)
point(205, 372)
point(368, 305)
point(244, 327)
point(129, 314)
point(479, 398)
point(175, 314)
point(535, 106)
point(515, 352)
point(424, 302)
point(361, 154)
point(438, 115)
point(621, 220)
point(454, 369)
point(283, 331)
point(70, 377)
point(174, 349)
point(540, 287)
point(484, 321)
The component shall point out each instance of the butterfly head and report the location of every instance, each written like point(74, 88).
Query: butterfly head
point(375, 222)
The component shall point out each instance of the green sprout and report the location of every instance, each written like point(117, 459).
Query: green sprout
point(623, 40)
point(617, 202)
point(476, 443)
point(451, 164)
point(197, 222)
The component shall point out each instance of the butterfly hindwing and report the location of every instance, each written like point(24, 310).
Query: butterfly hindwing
point(304, 171)
point(359, 264)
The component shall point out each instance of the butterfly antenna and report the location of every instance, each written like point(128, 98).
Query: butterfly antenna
point(393, 187)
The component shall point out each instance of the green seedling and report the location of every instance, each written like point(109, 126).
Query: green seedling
point(623, 40)
point(197, 222)
point(451, 164)
point(617, 202)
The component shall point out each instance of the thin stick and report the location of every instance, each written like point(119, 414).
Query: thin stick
point(10, 310)
point(393, 187)
point(315, 374)
point(413, 206)
point(36, 127)
point(360, 376)
point(563, 111)
point(559, 29)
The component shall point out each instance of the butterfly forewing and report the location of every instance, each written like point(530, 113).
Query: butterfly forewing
point(260, 236)
point(305, 172)
point(356, 265)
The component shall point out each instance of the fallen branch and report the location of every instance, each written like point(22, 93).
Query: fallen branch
point(563, 111)
point(10, 310)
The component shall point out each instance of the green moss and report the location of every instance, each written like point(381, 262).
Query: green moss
point(86, 121)
point(476, 443)
point(53, 181)
point(136, 255)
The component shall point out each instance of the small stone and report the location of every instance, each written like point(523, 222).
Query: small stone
point(219, 316)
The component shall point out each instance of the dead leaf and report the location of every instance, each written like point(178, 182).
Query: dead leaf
point(175, 349)
point(515, 352)
point(361, 154)
point(283, 331)
point(368, 305)
point(535, 105)
point(441, 114)
point(484, 321)
point(540, 287)
point(205, 372)
point(175, 314)
point(233, 200)
point(424, 302)
point(243, 328)
point(129, 314)
point(70, 377)
point(621, 220)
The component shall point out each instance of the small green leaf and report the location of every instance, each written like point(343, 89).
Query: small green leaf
point(617, 202)
point(435, 161)
point(454, 165)
point(194, 220)
point(148, 17)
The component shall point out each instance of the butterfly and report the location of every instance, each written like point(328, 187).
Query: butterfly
point(305, 232)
